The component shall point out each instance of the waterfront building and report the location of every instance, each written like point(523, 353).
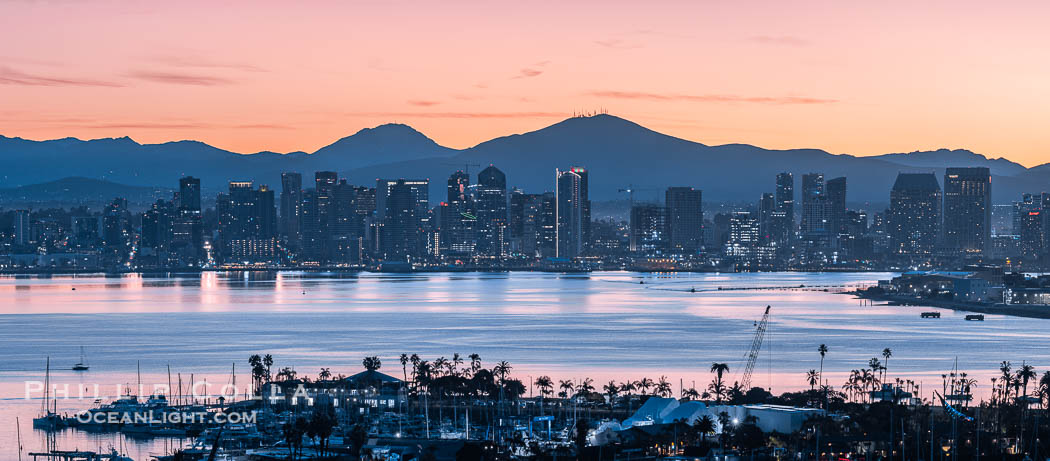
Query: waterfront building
point(157, 235)
point(573, 210)
point(491, 206)
point(247, 223)
point(187, 241)
point(648, 229)
point(967, 209)
point(685, 220)
point(401, 233)
point(835, 189)
point(21, 227)
point(815, 224)
point(914, 217)
point(291, 209)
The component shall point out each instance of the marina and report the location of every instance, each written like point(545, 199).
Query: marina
point(528, 319)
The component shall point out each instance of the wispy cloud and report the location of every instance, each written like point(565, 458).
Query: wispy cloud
point(145, 125)
point(423, 103)
point(617, 44)
point(176, 78)
point(780, 40)
point(9, 76)
point(721, 98)
point(205, 63)
point(528, 72)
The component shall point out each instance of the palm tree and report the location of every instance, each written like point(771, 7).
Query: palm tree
point(404, 366)
point(823, 350)
point(372, 363)
point(612, 391)
point(1025, 373)
point(440, 364)
point(566, 386)
point(704, 426)
point(627, 387)
point(1004, 368)
point(455, 363)
point(886, 354)
point(475, 362)
point(812, 378)
point(546, 386)
point(644, 384)
point(1044, 389)
point(717, 387)
point(586, 386)
point(663, 387)
point(691, 394)
point(267, 362)
point(502, 369)
point(324, 374)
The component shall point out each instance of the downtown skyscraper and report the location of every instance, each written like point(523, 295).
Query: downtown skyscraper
point(573, 211)
point(913, 220)
point(967, 209)
point(685, 220)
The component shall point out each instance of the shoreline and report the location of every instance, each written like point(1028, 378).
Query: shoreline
point(1039, 311)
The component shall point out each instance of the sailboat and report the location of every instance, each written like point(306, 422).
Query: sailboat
point(49, 418)
point(82, 364)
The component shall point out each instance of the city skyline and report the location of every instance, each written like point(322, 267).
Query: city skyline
point(243, 81)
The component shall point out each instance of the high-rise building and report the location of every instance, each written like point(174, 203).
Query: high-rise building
point(835, 189)
point(914, 217)
point(1032, 233)
point(401, 232)
point(492, 212)
point(21, 227)
point(786, 195)
point(458, 187)
point(572, 210)
point(458, 220)
point(115, 223)
point(516, 214)
point(744, 243)
point(815, 217)
point(187, 241)
point(967, 209)
point(344, 237)
point(157, 237)
point(420, 194)
point(311, 238)
point(649, 229)
point(248, 223)
point(685, 220)
point(291, 208)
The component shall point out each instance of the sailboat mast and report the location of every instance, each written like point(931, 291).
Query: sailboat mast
point(47, 385)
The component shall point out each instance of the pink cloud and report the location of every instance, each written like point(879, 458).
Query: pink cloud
point(180, 79)
point(9, 76)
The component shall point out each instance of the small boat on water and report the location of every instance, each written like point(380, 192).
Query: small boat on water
point(930, 315)
point(82, 364)
point(975, 317)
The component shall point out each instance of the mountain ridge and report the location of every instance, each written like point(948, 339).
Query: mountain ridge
point(618, 150)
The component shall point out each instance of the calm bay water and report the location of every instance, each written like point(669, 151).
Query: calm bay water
point(601, 325)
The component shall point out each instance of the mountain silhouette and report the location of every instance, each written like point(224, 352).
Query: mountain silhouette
point(617, 151)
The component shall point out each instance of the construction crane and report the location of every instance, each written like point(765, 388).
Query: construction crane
point(756, 347)
point(466, 166)
point(630, 193)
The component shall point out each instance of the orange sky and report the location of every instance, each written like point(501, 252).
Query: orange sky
point(848, 77)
